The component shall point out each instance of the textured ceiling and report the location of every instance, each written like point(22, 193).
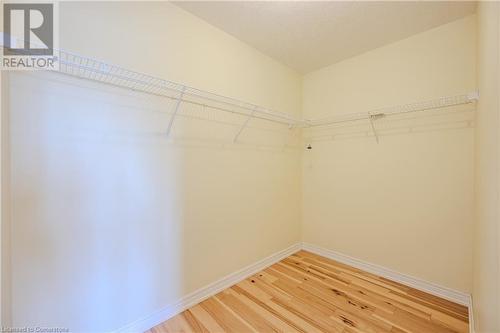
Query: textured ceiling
point(308, 35)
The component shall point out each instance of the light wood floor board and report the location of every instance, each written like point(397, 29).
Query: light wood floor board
point(309, 293)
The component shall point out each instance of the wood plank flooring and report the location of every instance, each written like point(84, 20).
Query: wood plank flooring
point(309, 293)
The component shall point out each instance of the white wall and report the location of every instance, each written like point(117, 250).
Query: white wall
point(112, 221)
point(486, 293)
point(407, 202)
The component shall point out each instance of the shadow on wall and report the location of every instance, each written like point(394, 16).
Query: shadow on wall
point(111, 219)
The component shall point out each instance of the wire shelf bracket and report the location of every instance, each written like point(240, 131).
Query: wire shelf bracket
point(372, 118)
point(176, 109)
point(243, 126)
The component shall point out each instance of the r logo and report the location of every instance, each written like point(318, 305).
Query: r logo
point(33, 25)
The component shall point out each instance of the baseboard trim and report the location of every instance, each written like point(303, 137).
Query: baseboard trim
point(201, 294)
point(471, 316)
point(410, 281)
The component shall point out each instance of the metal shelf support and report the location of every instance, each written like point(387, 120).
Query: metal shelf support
point(244, 125)
point(176, 109)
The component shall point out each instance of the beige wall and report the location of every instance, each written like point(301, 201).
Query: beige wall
point(112, 221)
point(174, 44)
point(407, 202)
point(486, 293)
point(108, 214)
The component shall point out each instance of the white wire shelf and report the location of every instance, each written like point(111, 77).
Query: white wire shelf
point(437, 120)
point(99, 71)
point(96, 70)
point(438, 103)
point(373, 116)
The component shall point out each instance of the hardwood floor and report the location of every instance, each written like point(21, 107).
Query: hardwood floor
point(309, 293)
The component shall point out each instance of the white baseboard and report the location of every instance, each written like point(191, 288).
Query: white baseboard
point(471, 316)
point(201, 294)
point(428, 287)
